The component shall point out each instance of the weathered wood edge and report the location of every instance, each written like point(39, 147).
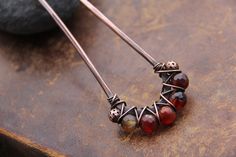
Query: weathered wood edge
point(26, 146)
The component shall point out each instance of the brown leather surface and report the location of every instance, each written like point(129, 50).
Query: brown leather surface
point(12, 145)
point(47, 93)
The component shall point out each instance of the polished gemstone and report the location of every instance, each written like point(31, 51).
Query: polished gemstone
point(180, 80)
point(129, 123)
point(167, 115)
point(178, 99)
point(148, 123)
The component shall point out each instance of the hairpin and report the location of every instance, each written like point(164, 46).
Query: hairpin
point(148, 118)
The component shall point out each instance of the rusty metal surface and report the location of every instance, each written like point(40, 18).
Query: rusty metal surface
point(48, 95)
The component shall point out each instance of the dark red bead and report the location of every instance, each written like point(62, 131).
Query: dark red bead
point(180, 80)
point(148, 123)
point(167, 115)
point(179, 100)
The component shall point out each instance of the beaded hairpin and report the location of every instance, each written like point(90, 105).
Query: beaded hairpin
point(148, 118)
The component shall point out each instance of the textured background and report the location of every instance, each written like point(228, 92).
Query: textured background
point(28, 16)
point(47, 94)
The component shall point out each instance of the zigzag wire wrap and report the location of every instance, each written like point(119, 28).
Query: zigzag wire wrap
point(166, 75)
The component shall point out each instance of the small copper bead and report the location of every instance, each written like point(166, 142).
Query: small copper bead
point(167, 115)
point(114, 115)
point(180, 80)
point(179, 100)
point(171, 65)
point(148, 123)
point(129, 123)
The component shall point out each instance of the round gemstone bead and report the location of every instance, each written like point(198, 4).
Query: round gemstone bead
point(148, 123)
point(178, 99)
point(167, 115)
point(181, 80)
point(129, 123)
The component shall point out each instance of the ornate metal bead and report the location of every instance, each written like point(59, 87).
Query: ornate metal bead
point(171, 65)
point(114, 115)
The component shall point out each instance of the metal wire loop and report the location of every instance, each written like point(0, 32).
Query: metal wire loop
point(167, 89)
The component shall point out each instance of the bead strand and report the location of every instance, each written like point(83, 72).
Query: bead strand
point(163, 112)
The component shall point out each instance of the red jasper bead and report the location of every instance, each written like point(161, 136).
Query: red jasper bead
point(178, 99)
point(167, 115)
point(148, 123)
point(180, 80)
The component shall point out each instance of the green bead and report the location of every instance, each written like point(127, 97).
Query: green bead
point(129, 123)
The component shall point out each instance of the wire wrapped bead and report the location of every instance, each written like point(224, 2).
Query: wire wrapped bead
point(129, 123)
point(148, 123)
point(181, 80)
point(167, 115)
point(179, 100)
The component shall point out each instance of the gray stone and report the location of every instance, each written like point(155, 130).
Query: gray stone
point(29, 17)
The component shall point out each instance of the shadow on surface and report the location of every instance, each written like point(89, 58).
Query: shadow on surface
point(50, 50)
